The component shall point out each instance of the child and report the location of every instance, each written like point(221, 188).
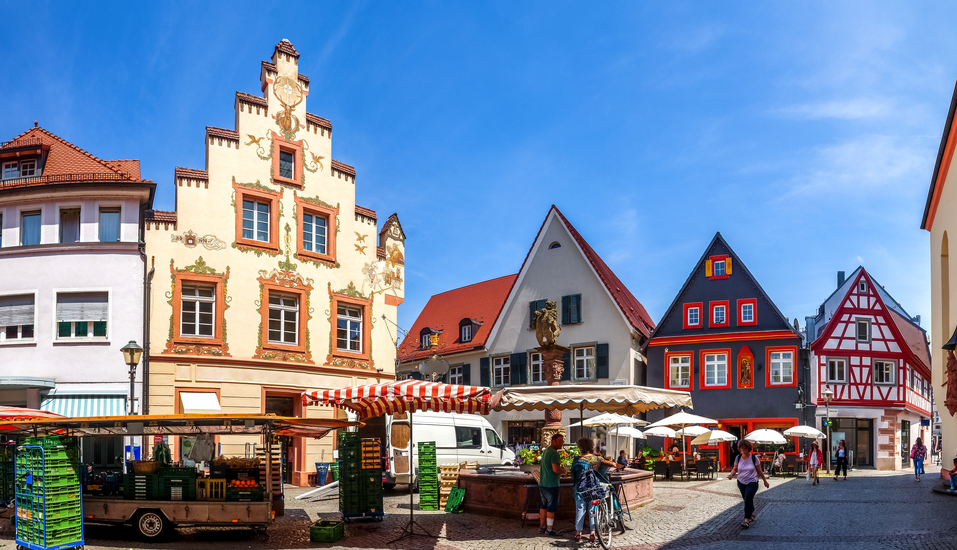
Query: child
point(953, 478)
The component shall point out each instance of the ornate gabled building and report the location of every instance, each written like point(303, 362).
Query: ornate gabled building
point(270, 279)
point(72, 288)
point(874, 358)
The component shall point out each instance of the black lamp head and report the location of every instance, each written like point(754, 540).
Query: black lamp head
point(952, 343)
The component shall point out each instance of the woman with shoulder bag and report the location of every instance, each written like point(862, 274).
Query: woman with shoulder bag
point(814, 460)
point(918, 452)
point(747, 468)
point(841, 455)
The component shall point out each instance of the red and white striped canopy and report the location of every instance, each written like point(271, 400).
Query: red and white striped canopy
point(404, 396)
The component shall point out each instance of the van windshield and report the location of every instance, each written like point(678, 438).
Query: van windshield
point(493, 439)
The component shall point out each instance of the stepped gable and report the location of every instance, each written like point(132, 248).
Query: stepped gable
point(252, 100)
point(160, 216)
point(343, 167)
point(367, 212)
point(270, 67)
point(190, 173)
point(222, 133)
point(318, 121)
point(287, 48)
point(480, 302)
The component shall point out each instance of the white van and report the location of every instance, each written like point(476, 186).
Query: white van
point(458, 438)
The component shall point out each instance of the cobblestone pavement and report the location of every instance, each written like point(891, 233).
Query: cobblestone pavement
point(870, 510)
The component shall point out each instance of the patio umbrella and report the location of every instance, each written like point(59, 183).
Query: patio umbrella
point(766, 437)
point(400, 397)
point(680, 421)
point(804, 431)
point(713, 436)
point(627, 431)
point(692, 431)
point(659, 431)
point(607, 419)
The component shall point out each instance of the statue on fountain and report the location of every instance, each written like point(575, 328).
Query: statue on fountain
point(546, 325)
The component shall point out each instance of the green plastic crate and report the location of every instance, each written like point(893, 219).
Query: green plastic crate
point(454, 502)
point(327, 531)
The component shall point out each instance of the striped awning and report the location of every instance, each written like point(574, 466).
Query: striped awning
point(83, 405)
point(404, 396)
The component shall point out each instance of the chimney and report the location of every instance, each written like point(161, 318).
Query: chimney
point(917, 319)
point(840, 279)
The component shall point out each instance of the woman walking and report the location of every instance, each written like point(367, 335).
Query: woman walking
point(814, 460)
point(747, 468)
point(842, 457)
point(587, 461)
point(918, 452)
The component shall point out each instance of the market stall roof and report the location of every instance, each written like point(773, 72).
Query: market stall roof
point(18, 413)
point(617, 399)
point(404, 396)
point(181, 424)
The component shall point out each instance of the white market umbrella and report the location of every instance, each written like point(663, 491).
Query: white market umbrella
point(713, 436)
point(659, 431)
point(766, 437)
point(683, 420)
point(805, 431)
point(692, 431)
point(627, 431)
point(607, 419)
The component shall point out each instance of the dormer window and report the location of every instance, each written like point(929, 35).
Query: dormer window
point(466, 333)
point(467, 329)
point(428, 338)
point(20, 169)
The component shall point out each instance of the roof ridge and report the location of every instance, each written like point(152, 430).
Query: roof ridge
point(78, 149)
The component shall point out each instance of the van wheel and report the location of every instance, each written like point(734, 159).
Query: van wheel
point(388, 486)
point(151, 525)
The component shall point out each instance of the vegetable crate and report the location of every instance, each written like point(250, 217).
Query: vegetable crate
point(327, 531)
point(428, 477)
point(49, 509)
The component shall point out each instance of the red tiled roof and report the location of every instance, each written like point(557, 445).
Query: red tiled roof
point(481, 302)
point(343, 167)
point(222, 133)
point(629, 305)
point(66, 158)
point(913, 337)
point(190, 173)
point(251, 99)
point(131, 167)
point(367, 212)
point(380, 252)
point(160, 216)
point(318, 121)
point(286, 47)
point(271, 68)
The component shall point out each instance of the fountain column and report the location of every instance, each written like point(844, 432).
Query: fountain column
point(553, 365)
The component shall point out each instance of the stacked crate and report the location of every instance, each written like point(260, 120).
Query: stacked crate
point(47, 487)
point(360, 476)
point(450, 479)
point(141, 487)
point(177, 483)
point(7, 470)
point(428, 477)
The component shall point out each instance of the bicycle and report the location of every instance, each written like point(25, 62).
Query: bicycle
point(608, 516)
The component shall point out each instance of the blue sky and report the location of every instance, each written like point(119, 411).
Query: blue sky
point(806, 133)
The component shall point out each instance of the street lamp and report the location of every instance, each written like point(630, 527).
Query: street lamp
point(827, 395)
point(131, 356)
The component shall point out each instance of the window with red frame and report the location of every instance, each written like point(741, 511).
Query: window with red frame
point(747, 312)
point(719, 313)
point(692, 315)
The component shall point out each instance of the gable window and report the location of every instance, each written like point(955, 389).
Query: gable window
point(862, 287)
point(109, 225)
point(317, 230)
point(883, 372)
point(349, 329)
point(679, 371)
point(715, 369)
point(837, 371)
point(692, 315)
point(585, 363)
point(718, 267)
point(572, 309)
point(70, 225)
point(501, 371)
point(257, 218)
point(82, 314)
point(465, 333)
point(536, 371)
point(197, 310)
point(17, 317)
point(719, 313)
point(286, 164)
point(456, 376)
point(283, 319)
point(747, 315)
point(782, 367)
point(554, 245)
point(533, 307)
point(256, 221)
point(863, 330)
point(30, 228)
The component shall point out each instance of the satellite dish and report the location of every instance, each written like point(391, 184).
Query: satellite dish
point(433, 367)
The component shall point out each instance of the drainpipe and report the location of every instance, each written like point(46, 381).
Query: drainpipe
point(147, 293)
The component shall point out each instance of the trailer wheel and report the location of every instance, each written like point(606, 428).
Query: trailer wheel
point(151, 525)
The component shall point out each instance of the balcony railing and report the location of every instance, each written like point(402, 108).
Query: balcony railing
point(82, 177)
point(22, 142)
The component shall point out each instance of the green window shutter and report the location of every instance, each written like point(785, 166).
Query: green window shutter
point(467, 375)
point(567, 371)
point(601, 360)
point(566, 310)
point(485, 372)
point(531, 313)
point(522, 368)
point(575, 308)
point(515, 365)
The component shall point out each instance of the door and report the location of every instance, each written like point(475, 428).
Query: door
point(905, 443)
point(495, 445)
point(468, 442)
point(289, 447)
point(736, 432)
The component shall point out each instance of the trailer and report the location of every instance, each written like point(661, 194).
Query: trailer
point(153, 518)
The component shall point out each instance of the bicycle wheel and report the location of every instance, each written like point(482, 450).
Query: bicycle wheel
point(619, 515)
point(603, 524)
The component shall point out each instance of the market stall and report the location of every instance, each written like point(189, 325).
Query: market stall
point(157, 494)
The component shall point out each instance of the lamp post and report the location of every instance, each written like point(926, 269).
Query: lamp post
point(131, 356)
point(827, 395)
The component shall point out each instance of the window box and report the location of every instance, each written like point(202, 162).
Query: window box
point(679, 370)
point(747, 312)
point(287, 162)
point(692, 315)
point(257, 218)
point(780, 366)
point(714, 369)
point(718, 314)
point(316, 231)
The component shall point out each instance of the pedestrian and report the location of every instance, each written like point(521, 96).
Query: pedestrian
point(814, 460)
point(622, 459)
point(747, 468)
point(842, 457)
point(588, 460)
point(550, 478)
point(918, 452)
point(953, 478)
point(777, 465)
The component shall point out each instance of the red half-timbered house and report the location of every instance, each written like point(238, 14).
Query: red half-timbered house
point(875, 359)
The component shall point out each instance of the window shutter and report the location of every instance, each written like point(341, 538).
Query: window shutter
point(82, 306)
point(522, 368)
point(485, 374)
point(707, 268)
point(576, 308)
point(467, 375)
point(515, 365)
point(727, 265)
point(531, 313)
point(566, 310)
point(567, 371)
point(16, 310)
point(601, 360)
